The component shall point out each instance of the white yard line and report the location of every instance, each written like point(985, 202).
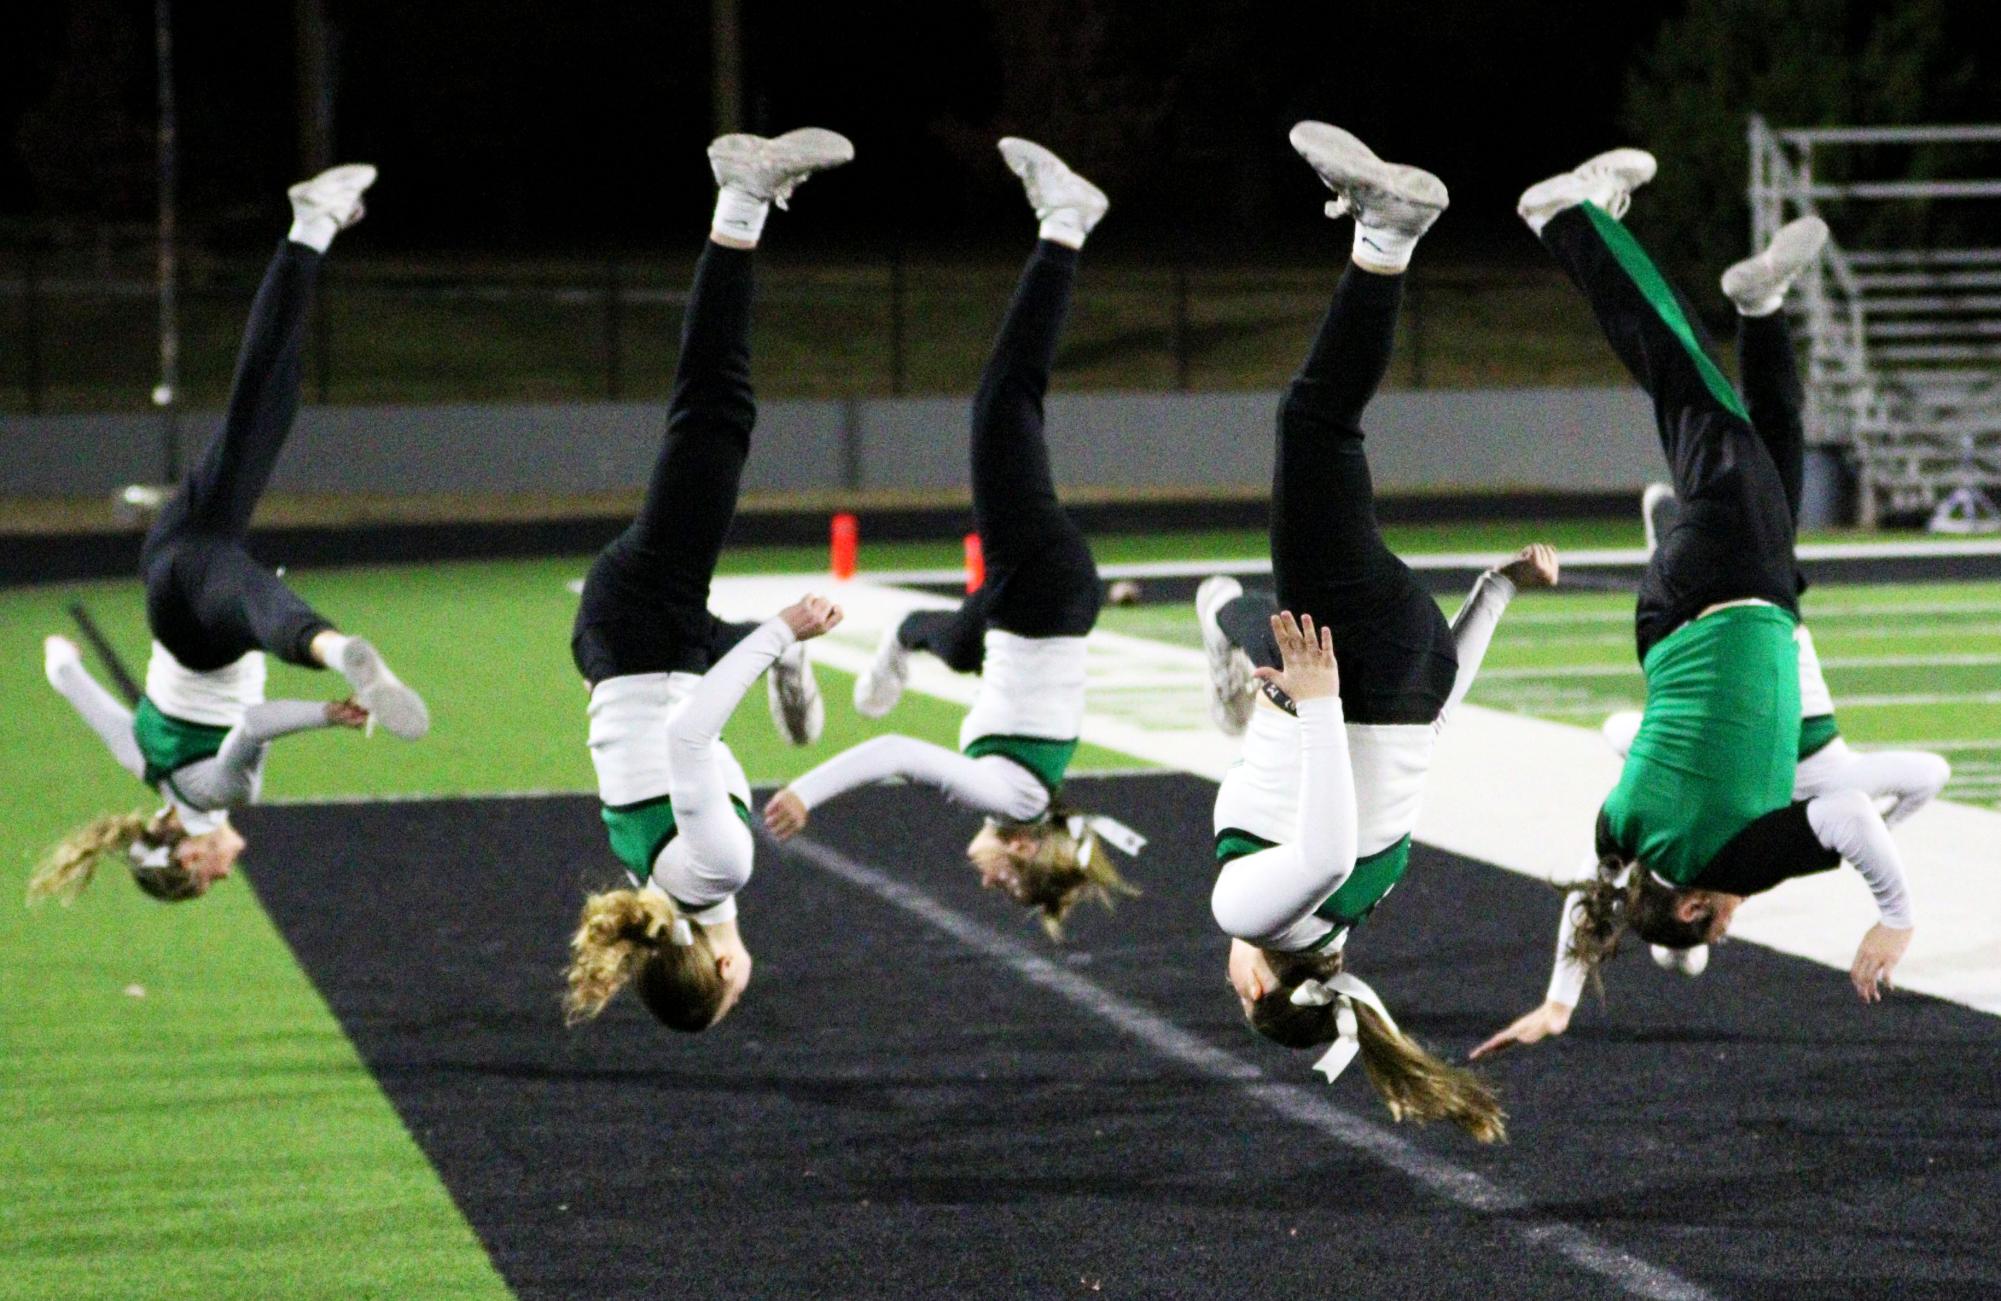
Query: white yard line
point(1305, 1105)
point(1517, 792)
point(1827, 662)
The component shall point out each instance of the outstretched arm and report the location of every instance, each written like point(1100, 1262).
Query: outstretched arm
point(101, 710)
point(698, 723)
point(1847, 822)
point(1566, 986)
point(1480, 614)
point(233, 777)
point(996, 787)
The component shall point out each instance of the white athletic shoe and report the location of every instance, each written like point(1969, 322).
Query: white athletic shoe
point(1230, 678)
point(1689, 962)
point(880, 685)
point(1051, 186)
point(1758, 284)
point(797, 709)
point(772, 168)
point(1660, 510)
point(1380, 196)
point(397, 708)
point(1607, 180)
point(334, 195)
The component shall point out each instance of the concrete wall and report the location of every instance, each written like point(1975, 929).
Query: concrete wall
point(1447, 440)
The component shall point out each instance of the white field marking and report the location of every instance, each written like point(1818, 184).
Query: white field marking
point(1816, 615)
point(1517, 792)
point(1832, 635)
point(1826, 662)
point(415, 797)
point(1303, 1105)
point(1577, 558)
point(1891, 700)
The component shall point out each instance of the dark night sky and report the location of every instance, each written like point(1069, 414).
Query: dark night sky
point(522, 124)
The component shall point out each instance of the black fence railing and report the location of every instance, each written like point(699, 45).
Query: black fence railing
point(83, 337)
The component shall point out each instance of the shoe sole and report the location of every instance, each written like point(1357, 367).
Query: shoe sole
point(1344, 162)
point(1026, 159)
point(349, 178)
point(1225, 709)
point(1791, 252)
point(399, 710)
point(796, 704)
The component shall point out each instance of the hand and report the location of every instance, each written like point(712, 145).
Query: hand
point(345, 713)
point(811, 616)
point(1309, 672)
point(1876, 958)
point(785, 814)
point(56, 653)
point(1531, 1027)
point(1534, 566)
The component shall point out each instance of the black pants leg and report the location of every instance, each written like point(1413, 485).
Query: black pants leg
point(645, 607)
point(1776, 398)
point(957, 637)
point(1393, 646)
point(207, 600)
point(1041, 580)
point(1735, 537)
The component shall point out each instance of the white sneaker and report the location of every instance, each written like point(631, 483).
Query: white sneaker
point(1607, 180)
point(880, 685)
point(400, 710)
point(1381, 196)
point(1660, 511)
point(1758, 284)
point(772, 168)
point(1689, 962)
point(797, 709)
point(1051, 186)
point(334, 195)
point(1230, 677)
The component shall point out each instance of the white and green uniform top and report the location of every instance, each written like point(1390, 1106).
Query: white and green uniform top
point(676, 801)
point(197, 737)
point(1313, 825)
point(1015, 743)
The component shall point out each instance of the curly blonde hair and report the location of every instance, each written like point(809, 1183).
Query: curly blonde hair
point(1619, 897)
point(1063, 870)
point(627, 937)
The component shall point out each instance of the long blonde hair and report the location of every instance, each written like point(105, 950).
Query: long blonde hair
point(1412, 1083)
point(629, 937)
point(1622, 896)
point(67, 868)
point(1065, 869)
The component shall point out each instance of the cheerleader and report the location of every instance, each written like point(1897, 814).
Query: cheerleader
point(664, 673)
point(1708, 810)
point(1358, 669)
point(1024, 630)
point(198, 736)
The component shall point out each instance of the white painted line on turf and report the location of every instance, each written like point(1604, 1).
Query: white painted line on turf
point(1632, 668)
point(1303, 1105)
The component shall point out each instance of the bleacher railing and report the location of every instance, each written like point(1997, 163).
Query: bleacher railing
point(1904, 363)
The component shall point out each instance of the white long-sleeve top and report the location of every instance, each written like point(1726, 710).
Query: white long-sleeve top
point(204, 790)
point(1263, 795)
point(992, 785)
point(655, 735)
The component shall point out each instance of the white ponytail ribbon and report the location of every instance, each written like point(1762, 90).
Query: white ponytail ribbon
point(1110, 830)
point(682, 935)
point(1344, 990)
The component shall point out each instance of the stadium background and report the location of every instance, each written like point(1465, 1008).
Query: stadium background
point(201, 1106)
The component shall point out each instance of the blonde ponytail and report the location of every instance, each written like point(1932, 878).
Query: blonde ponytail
point(625, 936)
point(1064, 870)
point(66, 870)
point(1414, 1085)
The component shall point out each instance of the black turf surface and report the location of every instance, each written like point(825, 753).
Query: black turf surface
point(890, 1114)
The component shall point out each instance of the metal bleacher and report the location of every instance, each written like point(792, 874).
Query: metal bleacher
point(1904, 369)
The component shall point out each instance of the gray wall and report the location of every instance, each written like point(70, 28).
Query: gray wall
point(1458, 440)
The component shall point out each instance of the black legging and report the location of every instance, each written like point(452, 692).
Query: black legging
point(1392, 645)
point(207, 600)
point(645, 606)
point(1739, 487)
point(1040, 578)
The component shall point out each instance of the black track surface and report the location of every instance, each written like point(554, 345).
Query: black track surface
point(892, 1114)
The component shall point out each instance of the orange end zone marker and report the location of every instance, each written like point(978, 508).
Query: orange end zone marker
point(976, 563)
point(847, 534)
